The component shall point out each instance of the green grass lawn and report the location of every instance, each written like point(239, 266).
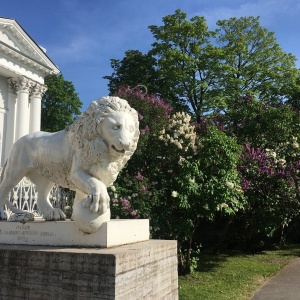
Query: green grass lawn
point(233, 276)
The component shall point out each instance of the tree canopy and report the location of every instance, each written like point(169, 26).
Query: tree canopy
point(207, 70)
point(134, 69)
point(60, 104)
point(253, 61)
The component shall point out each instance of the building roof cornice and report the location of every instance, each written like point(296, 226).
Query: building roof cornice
point(35, 57)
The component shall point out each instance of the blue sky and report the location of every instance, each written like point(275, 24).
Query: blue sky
point(81, 36)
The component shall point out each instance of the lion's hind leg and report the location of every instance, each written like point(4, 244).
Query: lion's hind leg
point(44, 187)
point(10, 178)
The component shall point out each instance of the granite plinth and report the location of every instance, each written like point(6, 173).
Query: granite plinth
point(65, 233)
point(145, 270)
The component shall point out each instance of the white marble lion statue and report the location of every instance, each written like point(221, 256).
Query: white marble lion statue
point(85, 157)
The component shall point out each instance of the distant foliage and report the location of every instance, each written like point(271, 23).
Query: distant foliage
point(60, 104)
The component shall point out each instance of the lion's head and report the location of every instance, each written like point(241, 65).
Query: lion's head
point(107, 130)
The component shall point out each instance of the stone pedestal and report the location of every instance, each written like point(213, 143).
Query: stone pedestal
point(144, 270)
point(65, 233)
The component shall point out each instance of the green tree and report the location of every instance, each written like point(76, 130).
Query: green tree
point(294, 97)
point(253, 62)
point(209, 70)
point(187, 61)
point(261, 125)
point(60, 104)
point(134, 69)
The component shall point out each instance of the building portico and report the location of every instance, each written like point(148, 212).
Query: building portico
point(23, 67)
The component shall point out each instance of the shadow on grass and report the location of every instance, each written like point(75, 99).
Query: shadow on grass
point(293, 249)
point(211, 261)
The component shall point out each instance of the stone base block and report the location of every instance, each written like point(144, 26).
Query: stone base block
point(145, 270)
point(65, 233)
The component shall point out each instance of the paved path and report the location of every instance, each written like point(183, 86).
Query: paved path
point(283, 286)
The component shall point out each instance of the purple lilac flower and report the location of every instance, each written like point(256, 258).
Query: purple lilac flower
point(139, 176)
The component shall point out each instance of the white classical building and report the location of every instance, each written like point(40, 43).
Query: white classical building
point(23, 67)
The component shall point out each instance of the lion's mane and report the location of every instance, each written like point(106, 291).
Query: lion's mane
point(86, 136)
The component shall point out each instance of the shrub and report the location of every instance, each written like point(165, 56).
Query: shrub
point(180, 174)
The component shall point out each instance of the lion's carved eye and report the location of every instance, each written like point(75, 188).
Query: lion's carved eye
point(116, 127)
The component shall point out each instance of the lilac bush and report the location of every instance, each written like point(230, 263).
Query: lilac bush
point(184, 173)
point(269, 167)
point(179, 174)
point(270, 184)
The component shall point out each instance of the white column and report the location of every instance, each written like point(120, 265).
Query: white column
point(11, 116)
point(22, 127)
point(35, 107)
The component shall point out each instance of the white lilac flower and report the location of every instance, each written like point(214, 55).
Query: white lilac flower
point(181, 160)
point(295, 145)
point(178, 145)
point(192, 180)
point(229, 184)
point(174, 194)
point(282, 161)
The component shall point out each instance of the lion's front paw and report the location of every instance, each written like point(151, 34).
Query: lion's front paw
point(97, 203)
point(55, 214)
point(3, 214)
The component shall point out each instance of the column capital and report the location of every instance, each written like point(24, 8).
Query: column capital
point(12, 87)
point(38, 90)
point(24, 84)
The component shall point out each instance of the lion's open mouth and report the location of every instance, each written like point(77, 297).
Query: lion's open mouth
point(119, 151)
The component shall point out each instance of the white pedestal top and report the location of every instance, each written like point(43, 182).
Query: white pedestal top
point(65, 233)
